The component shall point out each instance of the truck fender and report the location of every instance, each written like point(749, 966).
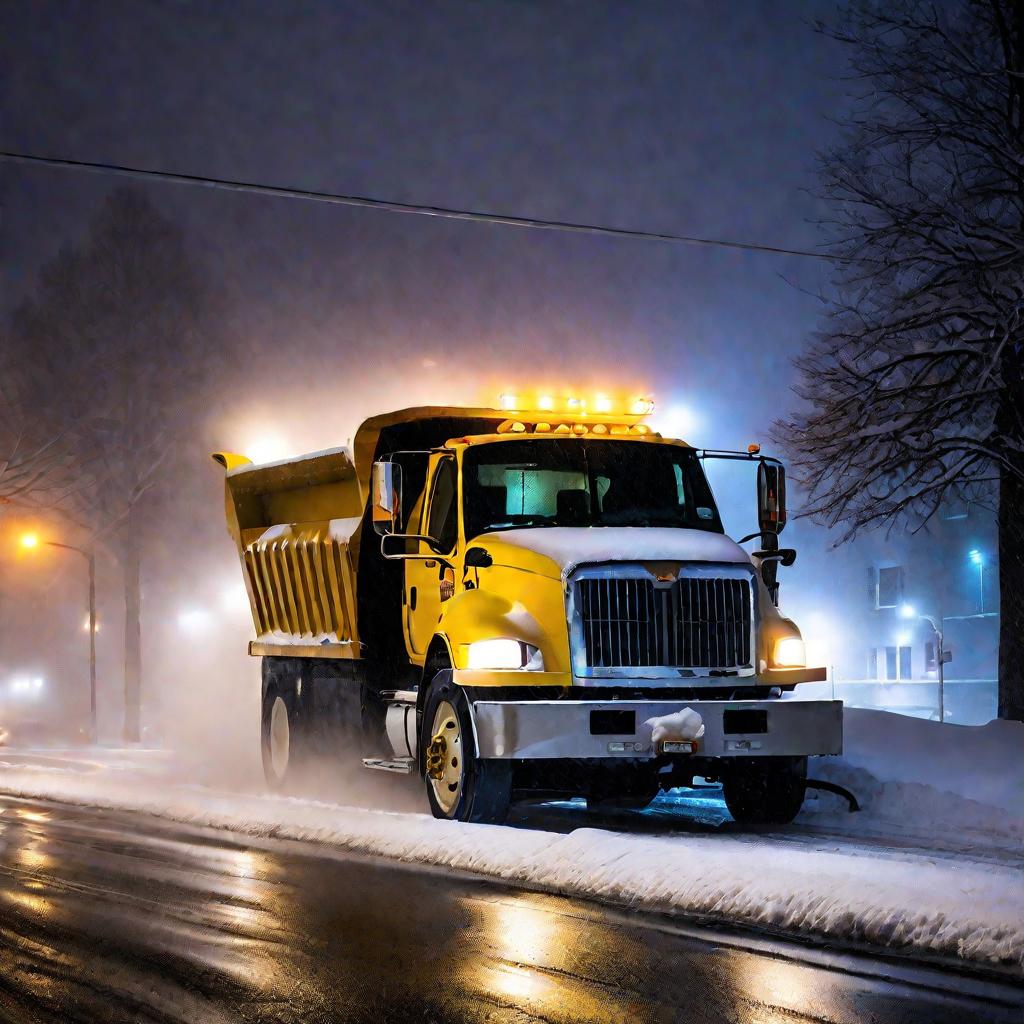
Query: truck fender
point(441, 678)
point(481, 615)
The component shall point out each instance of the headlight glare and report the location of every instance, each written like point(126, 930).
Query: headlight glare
point(503, 653)
point(789, 653)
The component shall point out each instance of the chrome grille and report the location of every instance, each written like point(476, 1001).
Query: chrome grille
point(696, 622)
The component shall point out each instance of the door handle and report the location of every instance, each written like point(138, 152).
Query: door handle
point(430, 563)
point(412, 599)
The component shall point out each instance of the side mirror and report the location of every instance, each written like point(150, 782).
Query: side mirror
point(478, 558)
point(386, 497)
point(771, 498)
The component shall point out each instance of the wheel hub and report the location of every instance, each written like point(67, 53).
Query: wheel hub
point(437, 755)
point(444, 765)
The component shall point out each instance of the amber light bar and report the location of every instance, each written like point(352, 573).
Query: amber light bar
point(526, 427)
point(600, 404)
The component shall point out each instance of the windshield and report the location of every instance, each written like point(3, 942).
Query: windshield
point(581, 482)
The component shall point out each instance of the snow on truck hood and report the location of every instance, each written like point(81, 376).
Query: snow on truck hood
point(572, 546)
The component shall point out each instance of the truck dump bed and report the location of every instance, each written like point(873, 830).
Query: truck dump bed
point(296, 527)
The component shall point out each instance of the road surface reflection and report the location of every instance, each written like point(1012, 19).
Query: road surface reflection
point(106, 916)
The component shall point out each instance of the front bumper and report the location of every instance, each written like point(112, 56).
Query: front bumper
point(565, 728)
point(648, 678)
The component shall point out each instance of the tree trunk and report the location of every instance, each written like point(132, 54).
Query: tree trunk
point(132, 632)
point(1011, 597)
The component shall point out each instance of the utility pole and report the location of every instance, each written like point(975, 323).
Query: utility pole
point(92, 645)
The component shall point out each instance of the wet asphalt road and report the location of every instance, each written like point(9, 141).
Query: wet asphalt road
point(108, 916)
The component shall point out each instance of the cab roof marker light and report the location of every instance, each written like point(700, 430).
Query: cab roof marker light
point(508, 401)
point(642, 407)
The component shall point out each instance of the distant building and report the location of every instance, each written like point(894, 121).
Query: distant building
point(867, 622)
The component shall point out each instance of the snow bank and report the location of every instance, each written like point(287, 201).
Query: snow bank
point(929, 775)
point(815, 886)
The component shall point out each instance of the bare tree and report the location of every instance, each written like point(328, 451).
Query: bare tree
point(35, 461)
point(913, 387)
point(118, 326)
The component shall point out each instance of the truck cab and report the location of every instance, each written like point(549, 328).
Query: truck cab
point(548, 606)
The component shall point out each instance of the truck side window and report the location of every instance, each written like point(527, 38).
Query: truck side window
point(443, 522)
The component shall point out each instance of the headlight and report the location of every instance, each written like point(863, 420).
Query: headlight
point(789, 653)
point(504, 653)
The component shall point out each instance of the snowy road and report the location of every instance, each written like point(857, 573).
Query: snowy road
point(112, 916)
point(950, 888)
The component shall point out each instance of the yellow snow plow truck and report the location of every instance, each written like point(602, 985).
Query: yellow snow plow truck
point(522, 605)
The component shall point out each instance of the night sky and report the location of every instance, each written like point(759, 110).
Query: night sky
point(667, 116)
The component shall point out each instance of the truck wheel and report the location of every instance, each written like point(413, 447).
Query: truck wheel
point(277, 736)
point(768, 791)
point(460, 786)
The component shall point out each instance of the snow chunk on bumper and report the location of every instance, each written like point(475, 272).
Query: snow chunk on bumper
point(685, 724)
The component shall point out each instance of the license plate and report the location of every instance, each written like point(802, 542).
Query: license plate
point(678, 746)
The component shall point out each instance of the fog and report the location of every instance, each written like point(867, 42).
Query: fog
point(665, 117)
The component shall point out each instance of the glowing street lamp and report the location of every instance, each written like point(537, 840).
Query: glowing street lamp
point(31, 541)
point(266, 448)
point(978, 558)
point(193, 620)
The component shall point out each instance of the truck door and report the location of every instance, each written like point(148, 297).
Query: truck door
point(429, 581)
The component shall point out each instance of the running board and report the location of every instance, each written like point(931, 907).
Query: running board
point(399, 765)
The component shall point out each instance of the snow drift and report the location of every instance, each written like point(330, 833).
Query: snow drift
point(911, 773)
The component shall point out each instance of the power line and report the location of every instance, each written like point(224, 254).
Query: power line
point(388, 206)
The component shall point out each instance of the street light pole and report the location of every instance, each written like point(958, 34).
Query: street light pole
point(940, 657)
point(92, 646)
point(907, 612)
point(978, 558)
point(90, 558)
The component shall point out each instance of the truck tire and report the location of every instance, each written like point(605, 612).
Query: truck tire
point(766, 791)
point(460, 786)
point(277, 735)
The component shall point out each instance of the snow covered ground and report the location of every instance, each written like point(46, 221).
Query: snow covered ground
point(933, 864)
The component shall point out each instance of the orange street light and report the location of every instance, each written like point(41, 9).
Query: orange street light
point(29, 540)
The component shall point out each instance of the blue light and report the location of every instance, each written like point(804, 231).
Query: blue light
point(976, 556)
